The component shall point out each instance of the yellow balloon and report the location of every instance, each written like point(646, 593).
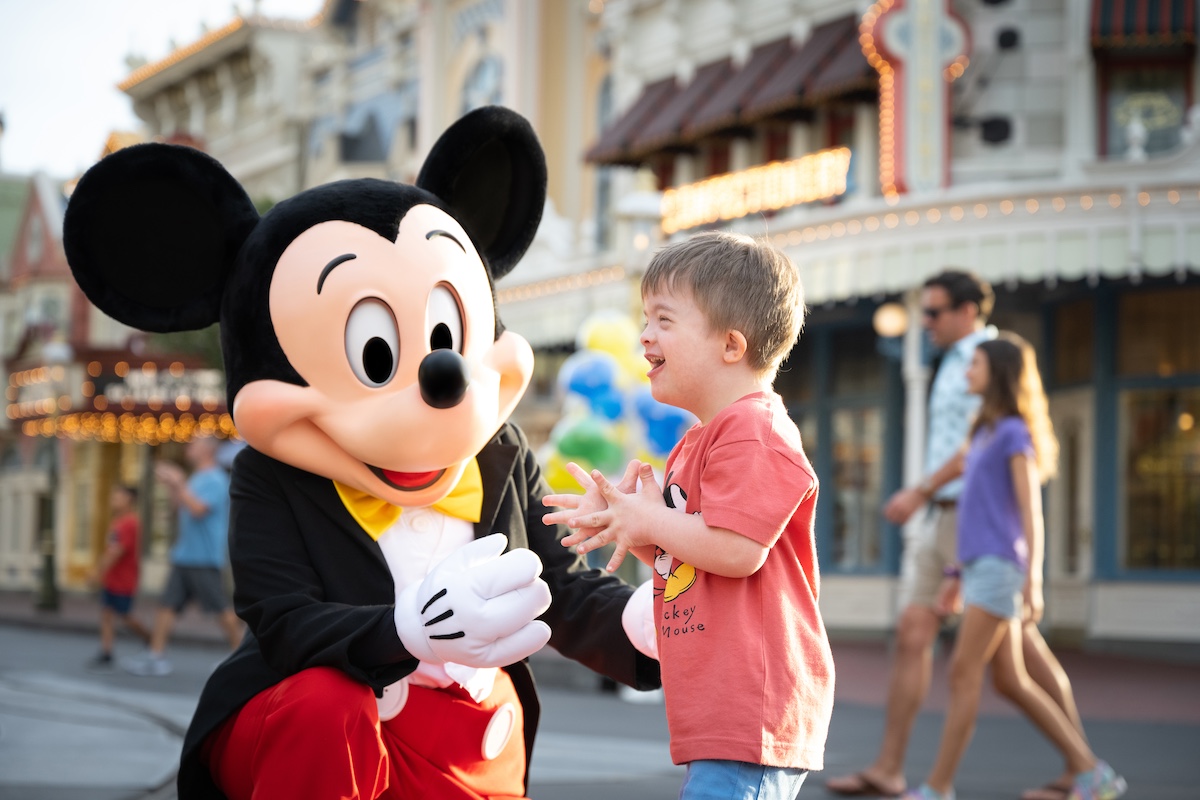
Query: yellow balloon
point(634, 366)
point(609, 332)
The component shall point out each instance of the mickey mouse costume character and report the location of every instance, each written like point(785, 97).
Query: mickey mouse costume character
point(372, 379)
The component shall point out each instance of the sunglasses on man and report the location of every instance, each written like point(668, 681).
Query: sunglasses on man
point(931, 313)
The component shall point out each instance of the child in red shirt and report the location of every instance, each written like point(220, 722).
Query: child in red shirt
point(746, 665)
point(117, 573)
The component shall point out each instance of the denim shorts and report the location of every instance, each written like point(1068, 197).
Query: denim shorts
point(120, 603)
point(996, 585)
point(739, 780)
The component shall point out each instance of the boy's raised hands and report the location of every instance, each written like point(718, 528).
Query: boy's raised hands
point(606, 513)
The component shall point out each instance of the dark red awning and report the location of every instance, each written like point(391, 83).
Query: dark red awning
point(665, 128)
point(723, 109)
point(612, 148)
point(787, 87)
point(847, 71)
point(1143, 23)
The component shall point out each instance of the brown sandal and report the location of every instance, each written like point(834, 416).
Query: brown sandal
point(863, 786)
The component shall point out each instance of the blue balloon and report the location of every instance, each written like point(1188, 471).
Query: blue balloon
point(665, 424)
point(589, 373)
point(608, 403)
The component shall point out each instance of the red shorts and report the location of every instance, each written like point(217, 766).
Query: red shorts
point(318, 734)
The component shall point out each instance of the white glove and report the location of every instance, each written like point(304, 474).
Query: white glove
point(638, 620)
point(476, 607)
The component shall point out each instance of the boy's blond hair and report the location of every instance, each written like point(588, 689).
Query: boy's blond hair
point(739, 283)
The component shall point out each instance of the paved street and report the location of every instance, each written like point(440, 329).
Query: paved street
point(68, 734)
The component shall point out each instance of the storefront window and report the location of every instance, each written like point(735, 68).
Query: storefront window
point(858, 476)
point(1157, 333)
point(1074, 342)
point(1154, 93)
point(1161, 466)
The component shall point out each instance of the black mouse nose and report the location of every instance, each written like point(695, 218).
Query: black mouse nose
point(444, 377)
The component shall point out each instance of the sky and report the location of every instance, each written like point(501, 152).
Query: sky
point(60, 61)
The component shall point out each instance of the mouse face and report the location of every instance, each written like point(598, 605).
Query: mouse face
point(358, 316)
point(358, 319)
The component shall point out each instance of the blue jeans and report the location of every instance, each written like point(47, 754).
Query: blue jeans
point(738, 780)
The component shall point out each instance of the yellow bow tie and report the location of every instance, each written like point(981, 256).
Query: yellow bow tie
point(465, 501)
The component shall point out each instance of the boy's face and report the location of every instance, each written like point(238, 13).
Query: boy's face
point(683, 350)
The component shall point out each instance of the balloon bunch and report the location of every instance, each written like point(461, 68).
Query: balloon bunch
point(609, 415)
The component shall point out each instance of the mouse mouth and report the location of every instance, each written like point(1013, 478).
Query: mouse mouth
point(407, 481)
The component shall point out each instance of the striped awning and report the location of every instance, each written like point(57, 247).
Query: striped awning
point(1143, 23)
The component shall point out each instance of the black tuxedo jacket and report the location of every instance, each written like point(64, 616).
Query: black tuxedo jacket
point(314, 590)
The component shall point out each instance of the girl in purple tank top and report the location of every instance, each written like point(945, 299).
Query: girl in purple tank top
point(1000, 543)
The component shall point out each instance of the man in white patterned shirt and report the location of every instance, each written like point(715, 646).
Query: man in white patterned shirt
point(955, 306)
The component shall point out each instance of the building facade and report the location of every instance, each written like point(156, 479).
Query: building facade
point(89, 403)
point(1050, 145)
point(1053, 148)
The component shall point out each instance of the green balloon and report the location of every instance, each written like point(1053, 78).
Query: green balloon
point(593, 441)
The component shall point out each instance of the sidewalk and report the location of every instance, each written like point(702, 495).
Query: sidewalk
point(1117, 687)
point(1167, 690)
point(1142, 712)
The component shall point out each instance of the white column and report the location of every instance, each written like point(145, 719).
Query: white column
point(866, 150)
point(195, 102)
point(800, 143)
point(916, 382)
point(228, 92)
point(166, 117)
point(739, 154)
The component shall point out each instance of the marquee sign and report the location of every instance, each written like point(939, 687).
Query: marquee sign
point(770, 187)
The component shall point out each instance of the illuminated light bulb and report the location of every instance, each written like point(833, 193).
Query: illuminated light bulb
point(1114, 200)
point(1143, 198)
point(1032, 206)
point(121, 369)
point(912, 217)
point(1058, 203)
point(980, 210)
point(1173, 197)
point(933, 215)
point(1006, 207)
point(1085, 202)
point(891, 220)
point(956, 213)
point(93, 369)
point(854, 227)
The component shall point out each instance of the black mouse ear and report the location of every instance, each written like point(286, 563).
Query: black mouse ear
point(151, 233)
point(490, 170)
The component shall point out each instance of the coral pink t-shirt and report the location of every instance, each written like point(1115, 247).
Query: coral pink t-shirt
point(746, 666)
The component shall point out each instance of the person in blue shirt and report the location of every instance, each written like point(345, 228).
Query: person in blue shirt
point(199, 554)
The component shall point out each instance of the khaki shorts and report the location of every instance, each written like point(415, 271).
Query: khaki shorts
point(931, 546)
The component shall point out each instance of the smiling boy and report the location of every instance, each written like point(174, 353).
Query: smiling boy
point(747, 670)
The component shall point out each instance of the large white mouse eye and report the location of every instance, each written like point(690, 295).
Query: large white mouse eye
point(372, 342)
point(443, 320)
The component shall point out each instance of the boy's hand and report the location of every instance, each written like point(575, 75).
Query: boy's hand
point(624, 522)
point(587, 503)
point(949, 597)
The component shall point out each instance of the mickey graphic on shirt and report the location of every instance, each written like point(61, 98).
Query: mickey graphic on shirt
point(682, 576)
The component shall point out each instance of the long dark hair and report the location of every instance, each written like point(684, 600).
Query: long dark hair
point(1015, 390)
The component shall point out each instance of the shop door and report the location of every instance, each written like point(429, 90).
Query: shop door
point(1070, 512)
